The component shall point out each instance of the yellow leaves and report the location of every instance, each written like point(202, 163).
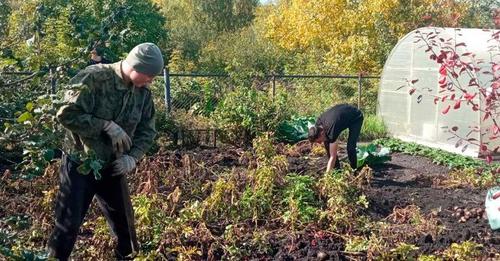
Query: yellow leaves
point(337, 27)
point(223, 194)
point(157, 2)
point(382, 7)
point(302, 24)
point(44, 44)
point(353, 33)
point(355, 52)
point(178, 64)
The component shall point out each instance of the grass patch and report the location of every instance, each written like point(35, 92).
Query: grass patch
point(373, 128)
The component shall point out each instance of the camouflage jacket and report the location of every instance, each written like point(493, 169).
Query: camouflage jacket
point(98, 94)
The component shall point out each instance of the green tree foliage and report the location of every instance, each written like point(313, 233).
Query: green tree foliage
point(4, 15)
point(119, 24)
point(45, 34)
point(51, 32)
point(227, 15)
point(243, 54)
point(194, 23)
point(5, 11)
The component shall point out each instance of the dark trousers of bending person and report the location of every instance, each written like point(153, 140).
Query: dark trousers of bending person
point(330, 125)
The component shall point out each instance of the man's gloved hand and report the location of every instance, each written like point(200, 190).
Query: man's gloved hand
point(119, 139)
point(123, 165)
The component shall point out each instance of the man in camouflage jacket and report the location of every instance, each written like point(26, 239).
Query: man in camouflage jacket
point(108, 112)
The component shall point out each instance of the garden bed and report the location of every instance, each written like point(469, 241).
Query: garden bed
point(410, 201)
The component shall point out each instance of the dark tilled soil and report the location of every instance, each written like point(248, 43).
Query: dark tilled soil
point(405, 180)
point(408, 180)
point(310, 246)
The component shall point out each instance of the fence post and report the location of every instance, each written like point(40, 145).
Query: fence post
point(168, 98)
point(215, 138)
point(52, 81)
point(359, 90)
point(273, 78)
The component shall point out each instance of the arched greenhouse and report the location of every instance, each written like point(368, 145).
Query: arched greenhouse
point(440, 87)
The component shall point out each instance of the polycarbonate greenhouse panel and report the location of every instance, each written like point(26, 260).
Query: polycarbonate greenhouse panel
point(418, 117)
point(396, 120)
point(465, 121)
point(488, 131)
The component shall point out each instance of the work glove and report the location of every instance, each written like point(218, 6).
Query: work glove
point(119, 139)
point(123, 165)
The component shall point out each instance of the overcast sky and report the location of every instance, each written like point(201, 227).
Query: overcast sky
point(265, 1)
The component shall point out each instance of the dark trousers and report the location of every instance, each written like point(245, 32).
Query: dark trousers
point(354, 131)
point(75, 195)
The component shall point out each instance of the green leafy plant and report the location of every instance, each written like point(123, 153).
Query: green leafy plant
point(372, 128)
point(467, 250)
point(294, 130)
point(471, 177)
point(371, 156)
point(342, 192)
point(151, 220)
point(257, 199)
point(12, 244)
point(89, 163)
point(245, 113)
point(221, 201)
point(259, 194)
point(60, 31)
point(404, 251)
point(299, 199)
point(357, 244)
point(429, 258)
point(36, 129)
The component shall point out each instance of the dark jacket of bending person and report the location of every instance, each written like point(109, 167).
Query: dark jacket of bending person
point(328, 127)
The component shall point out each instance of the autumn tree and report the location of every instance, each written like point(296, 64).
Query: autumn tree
point(356, 36)
point(45, 33)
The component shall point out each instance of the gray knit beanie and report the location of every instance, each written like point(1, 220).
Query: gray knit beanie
point(146, 58)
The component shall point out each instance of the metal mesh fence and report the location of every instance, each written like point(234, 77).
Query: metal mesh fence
point(311, 96)
point(308, 95)
point(198, 95)
point(191, 99)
